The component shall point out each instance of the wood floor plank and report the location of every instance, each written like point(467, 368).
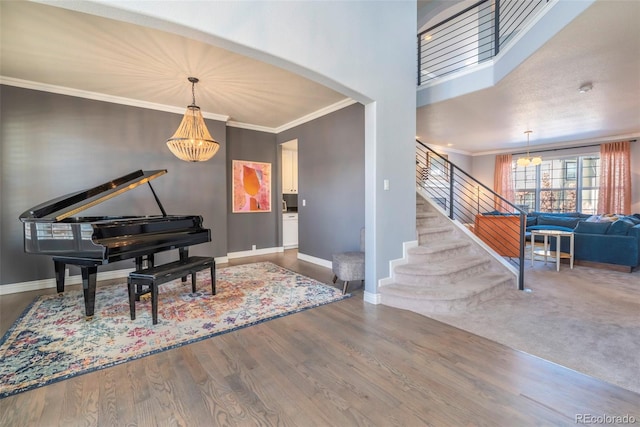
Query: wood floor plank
point(91, 399)
point(72, 411)
point(163, 379)
point(108, 413)
point(285, 386)
point(190, 400)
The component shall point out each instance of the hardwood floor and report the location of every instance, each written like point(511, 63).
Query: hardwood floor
point(343, 364)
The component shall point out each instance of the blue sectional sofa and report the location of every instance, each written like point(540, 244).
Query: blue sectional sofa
point(611, 240)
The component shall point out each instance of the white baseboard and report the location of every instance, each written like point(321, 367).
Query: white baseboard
point(36, 285)
point(396, 262)
point(314, 260)
point(221, 260)
point(253, 252)
point(372, 298)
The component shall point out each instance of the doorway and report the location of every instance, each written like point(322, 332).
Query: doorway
point(290, 194)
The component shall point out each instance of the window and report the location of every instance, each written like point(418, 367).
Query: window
point(566, 184)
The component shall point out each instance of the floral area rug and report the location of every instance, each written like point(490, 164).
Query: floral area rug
point(52, 341)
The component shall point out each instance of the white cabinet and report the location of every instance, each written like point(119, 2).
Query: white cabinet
point(289, 171)
point(290, 230)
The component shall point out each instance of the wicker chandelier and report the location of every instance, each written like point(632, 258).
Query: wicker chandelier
point(526, 161)
point(192, 142)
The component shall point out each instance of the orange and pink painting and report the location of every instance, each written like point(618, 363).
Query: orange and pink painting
point(251, 186)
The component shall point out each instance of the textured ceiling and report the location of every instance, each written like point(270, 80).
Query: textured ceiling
point(602, 46)
point(54, 46)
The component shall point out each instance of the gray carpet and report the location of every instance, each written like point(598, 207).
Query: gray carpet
point(586, 319)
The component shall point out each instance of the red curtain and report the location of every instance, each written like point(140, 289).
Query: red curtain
point(615, 178)
point(503, 182)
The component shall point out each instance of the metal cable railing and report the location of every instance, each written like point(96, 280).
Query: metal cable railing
point(472, 36)
point(496, 221)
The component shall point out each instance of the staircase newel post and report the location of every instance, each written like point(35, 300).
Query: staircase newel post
point(523, 229)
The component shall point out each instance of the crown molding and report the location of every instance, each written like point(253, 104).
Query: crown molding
point(316, 114)
point(249, 126)
point(61, 90)
point(577, 143)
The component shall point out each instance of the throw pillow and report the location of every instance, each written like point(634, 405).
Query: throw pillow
point(633, 219)
point(592, 227)
point(620, 227)
point(568, 222)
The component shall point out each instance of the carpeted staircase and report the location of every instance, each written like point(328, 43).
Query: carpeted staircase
point(448, 270)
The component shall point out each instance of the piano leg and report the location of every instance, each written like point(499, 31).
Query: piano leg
point(59, 269)
point(139, 265)
point(184, 256)
point(89, 288)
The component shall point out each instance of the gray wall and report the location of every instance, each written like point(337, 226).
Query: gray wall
point(257, 228)
point(331, 180)
point(55, 144)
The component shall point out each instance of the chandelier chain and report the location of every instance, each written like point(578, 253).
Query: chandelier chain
point(193, 81)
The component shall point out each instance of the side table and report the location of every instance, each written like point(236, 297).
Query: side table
point(558, 234)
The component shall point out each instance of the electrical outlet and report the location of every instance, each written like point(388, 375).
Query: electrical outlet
point(253, 247)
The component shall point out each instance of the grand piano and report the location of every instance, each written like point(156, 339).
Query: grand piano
point(88, 242)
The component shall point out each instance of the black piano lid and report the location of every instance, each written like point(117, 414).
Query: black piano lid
point(70, 204)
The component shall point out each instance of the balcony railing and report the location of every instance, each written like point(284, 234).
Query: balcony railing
point(472, 36)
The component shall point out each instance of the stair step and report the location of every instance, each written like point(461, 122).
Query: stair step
point(424, 223)
point(433, 232)
point(446, 271)
point(435, 229)
point(426, 214)
point(438, 250)
point(446, 297)
point(438, 246)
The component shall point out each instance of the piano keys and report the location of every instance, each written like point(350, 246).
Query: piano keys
point(89, 242)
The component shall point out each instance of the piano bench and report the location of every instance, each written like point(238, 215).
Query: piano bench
point(154, 276)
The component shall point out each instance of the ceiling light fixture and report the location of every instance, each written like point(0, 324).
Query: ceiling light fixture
point(192, 142)
point(585, 88)
point(526, 161)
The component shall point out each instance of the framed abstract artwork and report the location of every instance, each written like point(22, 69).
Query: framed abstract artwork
point(251, 186)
